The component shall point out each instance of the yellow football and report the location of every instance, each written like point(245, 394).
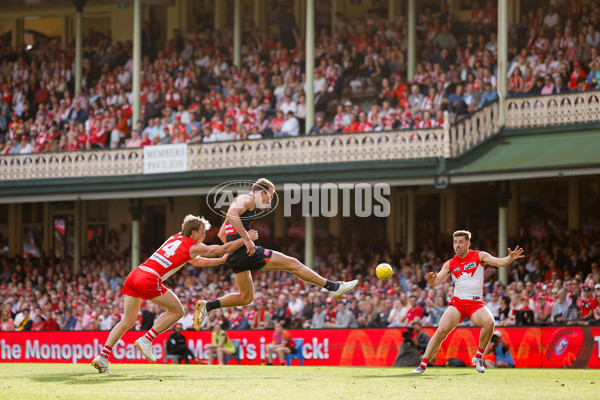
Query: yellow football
point(384, 271)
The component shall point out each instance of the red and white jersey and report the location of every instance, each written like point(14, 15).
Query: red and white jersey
point(427, 103)
point(338, 121)
point(566, 43)
point(181, 84)
point(332, 75)
point(365, 127)
point(169, 257)
point(172, 98)
point(467, 275)
point(426, 124)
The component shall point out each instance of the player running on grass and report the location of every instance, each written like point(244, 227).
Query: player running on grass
point(146, 283)
point(244, 261)
point(467, 269)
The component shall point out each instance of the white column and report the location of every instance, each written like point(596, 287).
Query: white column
point(136, 215)
point(502, 242)
point(135, 243)
point(502, 57)
point(137, 61)
point(412, 39)
point(502, 197)
point(237, 33)
point(309, 239)
point(310, 65)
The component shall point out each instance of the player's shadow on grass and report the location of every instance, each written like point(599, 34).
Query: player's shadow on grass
point(261, 378)
point(82, 378)
point(409, 375)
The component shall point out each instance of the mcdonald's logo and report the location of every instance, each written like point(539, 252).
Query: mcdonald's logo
point(388, 347)
point(358, 338)
point(461, 341)
point(528, 350)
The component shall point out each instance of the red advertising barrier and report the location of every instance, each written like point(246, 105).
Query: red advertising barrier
point(548, 347)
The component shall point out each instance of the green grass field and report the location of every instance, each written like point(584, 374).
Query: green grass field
point(153, 382)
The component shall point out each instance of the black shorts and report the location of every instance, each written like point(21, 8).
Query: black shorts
point(238, 261)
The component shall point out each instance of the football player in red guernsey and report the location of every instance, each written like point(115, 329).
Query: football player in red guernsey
point(146, 283)
point(467, 271)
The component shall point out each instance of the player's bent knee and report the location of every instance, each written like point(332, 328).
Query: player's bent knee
point(246, 298)
point(489, 323)
point(442, 333)
point(290, 263)
point(293, 265)
point(129, 322)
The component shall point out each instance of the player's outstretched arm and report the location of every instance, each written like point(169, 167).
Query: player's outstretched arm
point(222, 234)
point(208, 262)
point(204, 250)
point(504, 261)
point(435, 278)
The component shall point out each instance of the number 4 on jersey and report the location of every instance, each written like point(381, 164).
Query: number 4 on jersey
point(171, 248)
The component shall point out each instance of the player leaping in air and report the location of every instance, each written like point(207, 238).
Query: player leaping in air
point(244, 261)
point(146, 283)
point(467, 271)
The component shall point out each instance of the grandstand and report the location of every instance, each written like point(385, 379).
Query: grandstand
point(477, 117)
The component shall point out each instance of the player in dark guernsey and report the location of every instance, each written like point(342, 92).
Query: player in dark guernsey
point(251, 258)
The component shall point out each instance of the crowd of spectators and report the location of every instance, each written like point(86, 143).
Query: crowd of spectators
point(559, 281)
point(192, 92)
